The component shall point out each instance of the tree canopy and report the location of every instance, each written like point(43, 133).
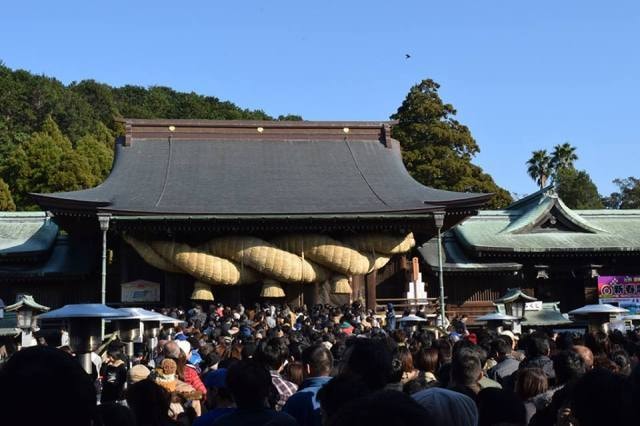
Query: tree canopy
point(437, 149)
point(543, 166)
point(577, 190)
point(539, 167)
point(627, 196)
point(6, 201)
point(56, 137)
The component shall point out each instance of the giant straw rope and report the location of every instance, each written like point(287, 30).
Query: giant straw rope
point(294, 258)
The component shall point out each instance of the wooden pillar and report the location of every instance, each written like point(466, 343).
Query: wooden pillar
point(371, 280)
point(358, 288)
point(293, 294)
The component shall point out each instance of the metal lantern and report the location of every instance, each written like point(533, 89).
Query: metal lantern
point(129, 326)
point(496, 320)
point(85, 327)
point(152, 328)
point(598, 315)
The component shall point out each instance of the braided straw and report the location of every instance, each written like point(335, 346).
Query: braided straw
point(340, 285)
point(203, 265)
point(150, 255)
point(266, 258)
point(271, 288)
point(202, 291)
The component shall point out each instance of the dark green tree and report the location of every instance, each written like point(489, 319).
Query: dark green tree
point(577, 190)
point(97, 149)
point(628, 195)
point(289, 117)
point(6, 200)
point(46, 162)
point(437, 149)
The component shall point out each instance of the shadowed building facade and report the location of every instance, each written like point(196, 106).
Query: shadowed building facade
point(244, 207)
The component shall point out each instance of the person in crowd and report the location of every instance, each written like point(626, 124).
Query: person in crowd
point(537, 352)
point(382, 408)
point(273, 354)
point(506, 365)
point(600, 397)
point(447, 408)
point(409, 372)
point(137, 373)
point(427, 362)
point(150, 403)
point(250, 385)
point(294, 372)
point(370, 360)
point(219, 399)
point(586, 355)
point(466, 372)
point(529, 385)
point(304, 405)
point(390, 317)
point(42, 385)
point(500, 407)
point(569, 368)
point(114, 376)
point(113, 414)
point(187, 371)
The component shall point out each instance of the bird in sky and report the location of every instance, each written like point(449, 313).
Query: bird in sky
point(407, 56)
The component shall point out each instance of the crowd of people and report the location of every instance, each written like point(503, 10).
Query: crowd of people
point(334, 366)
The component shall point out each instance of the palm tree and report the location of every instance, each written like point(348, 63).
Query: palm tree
point(539, 167)
point(563, 157)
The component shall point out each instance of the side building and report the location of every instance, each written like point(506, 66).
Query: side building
point(538, 244)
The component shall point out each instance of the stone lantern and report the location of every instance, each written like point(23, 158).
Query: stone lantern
point(514, 302)
point(25, 308)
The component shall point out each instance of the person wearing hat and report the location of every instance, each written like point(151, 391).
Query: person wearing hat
point(219, 399)
point(188, 371)
point(137, 373)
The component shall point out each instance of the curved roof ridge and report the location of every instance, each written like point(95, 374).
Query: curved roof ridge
point(546, 202)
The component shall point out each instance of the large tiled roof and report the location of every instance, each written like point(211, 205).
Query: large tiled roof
point(258, 168)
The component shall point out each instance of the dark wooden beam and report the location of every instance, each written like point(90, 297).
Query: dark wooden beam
point(371, 280)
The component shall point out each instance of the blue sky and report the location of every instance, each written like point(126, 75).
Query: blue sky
point(522, 75)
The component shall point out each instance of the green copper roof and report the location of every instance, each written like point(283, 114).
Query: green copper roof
point(28, 301)
point(26, 233)
point(543, 223)
point(454, 258)
point(514, 294)
point(549, 315)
